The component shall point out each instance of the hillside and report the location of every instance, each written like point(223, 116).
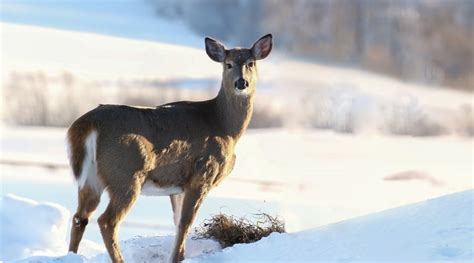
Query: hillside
point(66, 65)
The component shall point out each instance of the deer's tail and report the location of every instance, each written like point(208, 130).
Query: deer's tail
point(82, 145)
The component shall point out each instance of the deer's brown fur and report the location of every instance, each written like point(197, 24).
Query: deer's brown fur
point(184, 146)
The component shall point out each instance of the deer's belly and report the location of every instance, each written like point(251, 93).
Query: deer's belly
point(151, 189)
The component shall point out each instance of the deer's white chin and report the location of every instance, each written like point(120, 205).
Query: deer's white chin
point(242, 92)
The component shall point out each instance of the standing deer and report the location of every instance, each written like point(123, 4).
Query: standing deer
point(181, 149)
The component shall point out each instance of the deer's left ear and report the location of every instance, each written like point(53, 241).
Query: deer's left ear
point(214, 49)
point(262, 47)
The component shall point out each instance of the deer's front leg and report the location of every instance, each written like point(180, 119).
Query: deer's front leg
point(177, 205)
point(192, 201)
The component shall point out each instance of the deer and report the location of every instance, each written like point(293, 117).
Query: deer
point(180, 149)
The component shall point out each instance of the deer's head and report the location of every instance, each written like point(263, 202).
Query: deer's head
point(239, 64)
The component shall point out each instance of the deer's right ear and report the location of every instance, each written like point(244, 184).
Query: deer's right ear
point(215, 50)
point(262, 47)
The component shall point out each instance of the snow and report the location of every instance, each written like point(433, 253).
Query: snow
point(317, 193)
point(37, 231)
point(69, 258)
point(309, 188)
point(434, 230)
point(138, 249)
point(303, 94)
point(307, 177)
point(158, 249)
point(134, 19)
point(31, 228)
point(89, 55)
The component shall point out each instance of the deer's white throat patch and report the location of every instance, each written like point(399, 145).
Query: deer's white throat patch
point(150, 189)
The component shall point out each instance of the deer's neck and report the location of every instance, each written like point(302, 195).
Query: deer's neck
point(234, 112)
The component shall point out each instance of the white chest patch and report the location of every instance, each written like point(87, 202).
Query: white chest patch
point(150, 189)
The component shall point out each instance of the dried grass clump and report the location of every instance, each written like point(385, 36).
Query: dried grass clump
point(228, 230)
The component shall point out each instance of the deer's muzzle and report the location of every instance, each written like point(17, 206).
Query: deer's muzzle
point(241, 84)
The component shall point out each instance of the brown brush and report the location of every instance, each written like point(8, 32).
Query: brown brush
point(228, 230)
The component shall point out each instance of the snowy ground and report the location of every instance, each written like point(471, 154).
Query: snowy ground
point(435, 230)
point(21, 236)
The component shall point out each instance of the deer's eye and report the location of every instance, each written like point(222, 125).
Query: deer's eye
point(228, 65)
point(251, 64)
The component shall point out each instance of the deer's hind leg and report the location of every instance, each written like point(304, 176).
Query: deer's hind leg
point(122, 198)
point(88, 200)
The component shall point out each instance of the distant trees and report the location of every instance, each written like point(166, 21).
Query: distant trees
point(418, 40)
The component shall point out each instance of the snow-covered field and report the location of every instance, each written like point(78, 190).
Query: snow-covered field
point(435, 230)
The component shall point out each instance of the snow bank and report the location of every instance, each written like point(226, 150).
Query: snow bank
point(36, 232)
point(435, 230)
point(31, 228)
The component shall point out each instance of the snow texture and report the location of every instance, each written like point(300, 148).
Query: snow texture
point(436, 230)
point(439, 229)
point(139, 250)
point(134, 19)
point(31, 228)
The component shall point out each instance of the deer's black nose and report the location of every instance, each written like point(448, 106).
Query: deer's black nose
point(241, 84)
